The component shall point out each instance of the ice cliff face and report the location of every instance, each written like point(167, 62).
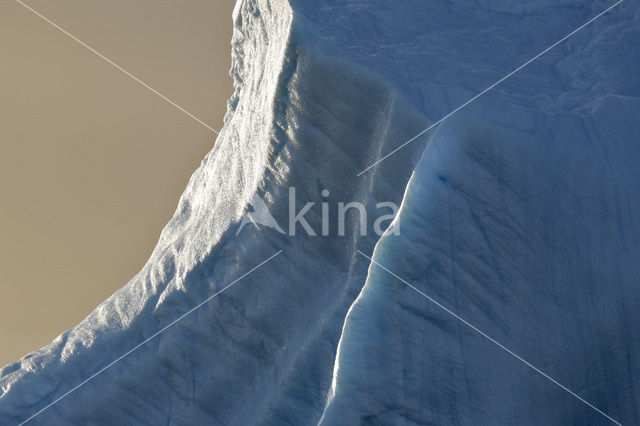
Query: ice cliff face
point(519, 214)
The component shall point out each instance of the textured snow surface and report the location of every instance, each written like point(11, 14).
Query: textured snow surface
point(520, 214)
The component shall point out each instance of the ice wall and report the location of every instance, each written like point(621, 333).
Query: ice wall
point(533, 240)
point(520, 216)
point(262, 351)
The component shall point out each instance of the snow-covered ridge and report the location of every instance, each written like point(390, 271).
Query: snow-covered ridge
point(520, 216)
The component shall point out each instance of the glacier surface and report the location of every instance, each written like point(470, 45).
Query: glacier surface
point(519, 217)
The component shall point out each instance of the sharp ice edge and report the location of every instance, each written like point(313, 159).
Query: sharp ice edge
point(520, 217)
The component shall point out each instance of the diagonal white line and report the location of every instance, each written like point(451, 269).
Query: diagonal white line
point(492, 340)
point(149, 338)
point(581, 27)
point(118, 67)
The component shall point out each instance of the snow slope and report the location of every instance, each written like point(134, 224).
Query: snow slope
point(520, 216)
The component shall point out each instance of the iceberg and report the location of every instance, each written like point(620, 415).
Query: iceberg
point(506, 291)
